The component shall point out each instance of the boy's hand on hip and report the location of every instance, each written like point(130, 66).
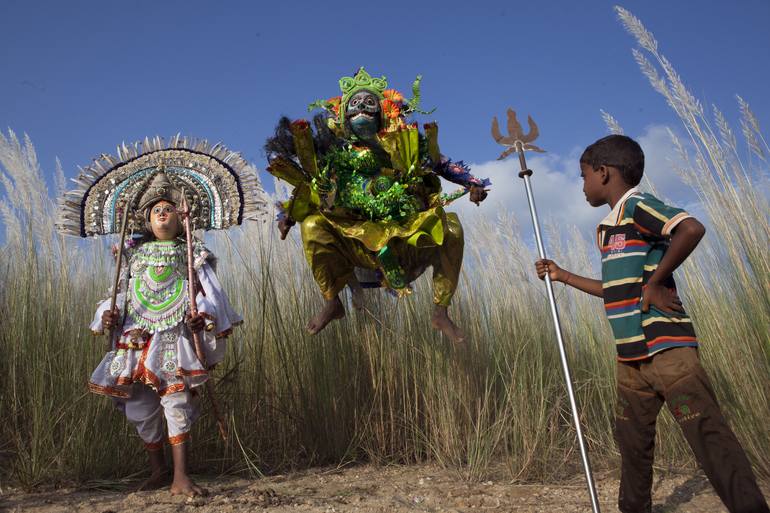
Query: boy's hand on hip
point(662, 298)
point(555, 272)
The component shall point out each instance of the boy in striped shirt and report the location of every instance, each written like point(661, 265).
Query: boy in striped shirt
point(642, 241)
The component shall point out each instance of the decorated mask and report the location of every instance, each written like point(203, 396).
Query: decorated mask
point(164, 220)
point(159, 202)
point(366, 106)
point(363, 114)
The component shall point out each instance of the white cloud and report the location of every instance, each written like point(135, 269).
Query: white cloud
point(558, 188)
point(661, 162)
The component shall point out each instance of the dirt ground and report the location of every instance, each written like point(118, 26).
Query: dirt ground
point(372, 489)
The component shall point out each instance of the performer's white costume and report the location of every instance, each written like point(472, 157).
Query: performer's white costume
point(152, 369)
point(154, 348)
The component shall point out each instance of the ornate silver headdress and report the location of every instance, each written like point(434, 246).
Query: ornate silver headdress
point(222, 188)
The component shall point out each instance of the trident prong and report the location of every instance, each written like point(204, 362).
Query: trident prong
point(516, 138)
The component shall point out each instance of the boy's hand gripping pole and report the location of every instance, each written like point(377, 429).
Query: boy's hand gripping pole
point(191, 293)
point(517, 142)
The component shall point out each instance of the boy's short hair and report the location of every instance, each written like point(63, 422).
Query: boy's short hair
point(619, 151)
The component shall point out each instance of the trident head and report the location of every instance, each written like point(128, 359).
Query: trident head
point(516, 140)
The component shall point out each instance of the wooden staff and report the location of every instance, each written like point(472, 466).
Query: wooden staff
point(191, 293)
point(123, 229)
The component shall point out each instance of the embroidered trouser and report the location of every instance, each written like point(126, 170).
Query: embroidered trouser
point(676, 377)
point(145, 409)
point(332, 257)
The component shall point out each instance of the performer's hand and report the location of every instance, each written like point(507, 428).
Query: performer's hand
point(284, 225)
point(662, 298)
point(110, 319)
point(478, 194)
point(555, 272)
point(196, 323)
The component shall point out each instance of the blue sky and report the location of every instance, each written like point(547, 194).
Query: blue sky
point(81, 76)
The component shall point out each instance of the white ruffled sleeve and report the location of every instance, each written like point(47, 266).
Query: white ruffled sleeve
point(220, 317)
point(96, 324)
point(214, 304)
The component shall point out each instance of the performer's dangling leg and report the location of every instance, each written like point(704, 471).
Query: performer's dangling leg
point(446, 260)
point(332, 259)
point(181, 410)
point(144, 411)
point(447, 263)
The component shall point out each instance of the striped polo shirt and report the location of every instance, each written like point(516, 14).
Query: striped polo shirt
point(633, 239)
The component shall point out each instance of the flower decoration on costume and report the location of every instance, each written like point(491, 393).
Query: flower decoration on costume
point(391, 109)
point(334, 104)
point(395, 108)
point(393, 95)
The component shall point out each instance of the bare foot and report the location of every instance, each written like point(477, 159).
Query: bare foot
point(183, 485)
point(440, 320)
point(158, 479)
point(332, 310)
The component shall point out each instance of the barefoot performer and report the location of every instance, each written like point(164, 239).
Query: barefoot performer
point(154, 365)
point(367, 195)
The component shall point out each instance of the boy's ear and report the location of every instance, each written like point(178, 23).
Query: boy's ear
point(604, 174)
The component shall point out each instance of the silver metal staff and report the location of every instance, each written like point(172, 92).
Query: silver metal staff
point(517, 142)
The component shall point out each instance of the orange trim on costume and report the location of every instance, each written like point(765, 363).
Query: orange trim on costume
point(178, 439)
point(154, 446)
point(139, 373)
point(111, 391)
point(172, 389)
point(185, 372)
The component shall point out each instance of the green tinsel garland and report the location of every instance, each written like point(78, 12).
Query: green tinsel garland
point(355, 171)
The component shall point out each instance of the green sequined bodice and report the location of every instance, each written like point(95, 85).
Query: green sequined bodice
point(157, 288)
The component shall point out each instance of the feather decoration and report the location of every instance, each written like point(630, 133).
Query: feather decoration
point(222, 187)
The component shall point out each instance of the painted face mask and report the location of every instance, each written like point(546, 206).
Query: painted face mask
point(363, 114)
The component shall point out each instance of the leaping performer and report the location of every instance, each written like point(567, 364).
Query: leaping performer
point(167, 318)
point(367, 195)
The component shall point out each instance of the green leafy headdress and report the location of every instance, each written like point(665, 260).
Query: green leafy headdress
point(394, 107)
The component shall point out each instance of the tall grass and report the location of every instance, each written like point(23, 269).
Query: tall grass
point(381, 385)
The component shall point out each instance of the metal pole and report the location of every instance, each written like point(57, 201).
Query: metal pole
point(525, 174)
